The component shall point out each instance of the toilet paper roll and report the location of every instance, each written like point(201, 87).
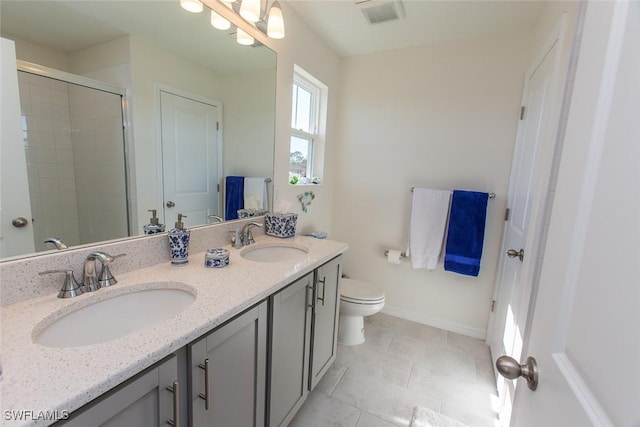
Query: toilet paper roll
point(394, 257)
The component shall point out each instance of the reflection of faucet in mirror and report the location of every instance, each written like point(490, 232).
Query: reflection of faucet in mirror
point(216, 217)
point(248, 150)
point(59, 244)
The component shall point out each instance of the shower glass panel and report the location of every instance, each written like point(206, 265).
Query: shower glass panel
point(75, 151)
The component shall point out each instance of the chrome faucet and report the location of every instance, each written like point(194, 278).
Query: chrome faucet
point(59, 244)
point(245, 235)
point(94, 281)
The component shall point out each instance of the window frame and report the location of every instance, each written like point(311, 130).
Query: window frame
point(316, 89)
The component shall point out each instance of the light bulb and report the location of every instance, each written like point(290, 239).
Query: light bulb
point(275, 24)
point(250, 10)
point(244, 38)
point(193, 6)
point(219, 22)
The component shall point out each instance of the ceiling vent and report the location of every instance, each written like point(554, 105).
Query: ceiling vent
point(377, 11)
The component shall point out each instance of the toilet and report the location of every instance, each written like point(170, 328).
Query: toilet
point(357, 299)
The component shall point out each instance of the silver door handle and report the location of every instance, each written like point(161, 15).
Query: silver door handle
point(509, 368)
point(170, 204)
point(205, 396)
point(20, 222)
point(323, 282)
point(174, 388)
point(512, 253)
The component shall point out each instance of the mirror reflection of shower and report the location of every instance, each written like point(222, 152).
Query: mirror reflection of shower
point(75, 151)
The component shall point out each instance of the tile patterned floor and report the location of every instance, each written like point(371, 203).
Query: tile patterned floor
point(401, 365)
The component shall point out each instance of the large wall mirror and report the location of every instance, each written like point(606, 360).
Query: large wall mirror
point(131, 106)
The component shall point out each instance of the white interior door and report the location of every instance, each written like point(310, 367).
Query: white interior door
point(528, 188)
point(14, 192)
point(585, 328)
point(191, 158)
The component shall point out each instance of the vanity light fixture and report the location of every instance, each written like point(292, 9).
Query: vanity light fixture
point(193, 6)
point(218, 22)
point(244, 38)
point(275, 22)
point(250, 10)
point(271, 23)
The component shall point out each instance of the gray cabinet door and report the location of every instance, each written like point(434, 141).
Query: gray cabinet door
point(326, 307)
point(290, 342)
point(228, 373)
point(147, 399)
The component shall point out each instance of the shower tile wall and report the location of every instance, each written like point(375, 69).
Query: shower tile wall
point(75, 161)
point(46, 131)
point(98, 151)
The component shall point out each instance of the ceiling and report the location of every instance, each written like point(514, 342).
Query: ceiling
point(72, 25)
point(342, 25)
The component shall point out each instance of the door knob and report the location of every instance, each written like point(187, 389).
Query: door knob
point(509, 368)
point(170, 204)
point(20, 222)
point(512, 253)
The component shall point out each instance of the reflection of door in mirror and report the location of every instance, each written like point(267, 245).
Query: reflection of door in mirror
point(191, 157)
point(14, 191)
point(74, 145)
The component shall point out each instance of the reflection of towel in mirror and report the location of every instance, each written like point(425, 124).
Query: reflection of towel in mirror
point(429, 210)
point(255, 193)
point(234, 198)
point(465, 237)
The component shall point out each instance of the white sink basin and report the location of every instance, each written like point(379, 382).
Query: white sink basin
point(113, 318)
point(274, 252)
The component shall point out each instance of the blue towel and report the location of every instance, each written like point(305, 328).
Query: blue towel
point(234, 196)
point(465, 236)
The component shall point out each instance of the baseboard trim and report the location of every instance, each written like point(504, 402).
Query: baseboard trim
point(436, 323)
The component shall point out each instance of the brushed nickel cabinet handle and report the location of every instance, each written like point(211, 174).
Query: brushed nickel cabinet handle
point(175, 422)
point(309, 287)
point(323, 281)
point(205, 396)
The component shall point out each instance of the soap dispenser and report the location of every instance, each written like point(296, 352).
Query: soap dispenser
point(154, 226)
point(179, 241)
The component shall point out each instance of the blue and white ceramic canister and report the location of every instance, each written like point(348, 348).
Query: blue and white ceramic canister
point(280, 224)
point(179, 242)
point(216, 258)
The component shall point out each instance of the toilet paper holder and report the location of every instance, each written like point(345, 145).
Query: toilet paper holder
point(402, 254)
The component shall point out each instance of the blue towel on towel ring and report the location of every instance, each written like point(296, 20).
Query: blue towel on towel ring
point(234, 196)
point(465, 236)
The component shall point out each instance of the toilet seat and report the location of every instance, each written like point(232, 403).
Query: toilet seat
point(357, 292)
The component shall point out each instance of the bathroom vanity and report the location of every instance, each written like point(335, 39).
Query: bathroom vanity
point(257, 338)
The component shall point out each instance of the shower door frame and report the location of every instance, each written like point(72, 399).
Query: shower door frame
point(52, 73)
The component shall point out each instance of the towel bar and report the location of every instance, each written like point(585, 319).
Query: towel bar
point(491, 195)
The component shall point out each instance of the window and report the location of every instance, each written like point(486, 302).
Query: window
point(307, 129)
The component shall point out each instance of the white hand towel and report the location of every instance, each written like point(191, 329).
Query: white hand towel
point(255, 193)
point(429, 212)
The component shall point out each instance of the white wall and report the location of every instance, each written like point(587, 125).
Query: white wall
point(302, 47)
point(248, 123)
point(37, 54)
point(440, 116)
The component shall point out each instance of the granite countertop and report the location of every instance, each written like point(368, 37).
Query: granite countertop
point(38, 378)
